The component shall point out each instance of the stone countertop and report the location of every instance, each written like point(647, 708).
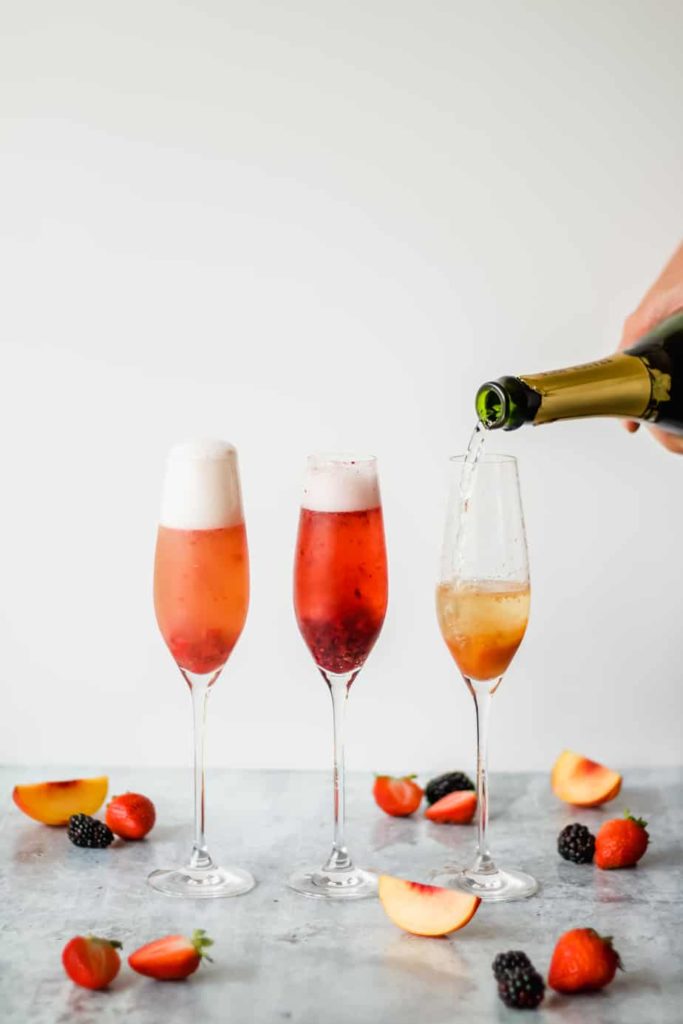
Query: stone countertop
point(280, 957)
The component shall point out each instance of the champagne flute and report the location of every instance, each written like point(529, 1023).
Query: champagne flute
point(201, 595)
point(340, 599)
point(482, 605)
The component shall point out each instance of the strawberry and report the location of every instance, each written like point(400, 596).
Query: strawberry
point(91, 962)
point(583, 961)
point(130, 816)
point(398, 797)
point(621, 842)
point(171, 958)
point(454, 809)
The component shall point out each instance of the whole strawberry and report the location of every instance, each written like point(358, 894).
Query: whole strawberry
point(397, 797)
point(583, 961)
point(91, 962)
point(130, 816)
point(172, 958)
point(621, 843)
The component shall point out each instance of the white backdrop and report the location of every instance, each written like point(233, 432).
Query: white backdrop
point(317, 225)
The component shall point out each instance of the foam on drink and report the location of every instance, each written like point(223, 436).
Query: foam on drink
point(335, 483)
point(201, 487)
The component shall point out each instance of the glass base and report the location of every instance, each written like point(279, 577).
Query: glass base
point(354, 884)
point(490, 886)
point(206, 884)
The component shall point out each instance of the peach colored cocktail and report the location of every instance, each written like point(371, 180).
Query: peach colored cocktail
point(483, 623)
point(201, 596)
point(201, 593)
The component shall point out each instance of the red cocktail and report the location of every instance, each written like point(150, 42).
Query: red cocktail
point(340, 585)
point(340, 599)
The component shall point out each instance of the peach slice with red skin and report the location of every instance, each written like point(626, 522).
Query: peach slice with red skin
point(580, 781)
point(53, 803)
point(425, 909)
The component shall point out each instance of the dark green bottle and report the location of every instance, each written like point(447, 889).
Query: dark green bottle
point(645, 382)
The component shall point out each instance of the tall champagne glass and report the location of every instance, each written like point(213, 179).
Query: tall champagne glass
point(482, 603)
point(340, 599)
point(201, 595)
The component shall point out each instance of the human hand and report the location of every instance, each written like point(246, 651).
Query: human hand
point(664, 298)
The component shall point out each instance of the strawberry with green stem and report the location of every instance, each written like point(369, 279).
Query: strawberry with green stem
point(173, 957)
point(621, 842)
point(398, 797)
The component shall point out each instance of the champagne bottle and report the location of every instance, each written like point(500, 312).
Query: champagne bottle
point(644, 382)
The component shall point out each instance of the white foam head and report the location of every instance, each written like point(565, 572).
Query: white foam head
point(201, 487)
point(341, 483)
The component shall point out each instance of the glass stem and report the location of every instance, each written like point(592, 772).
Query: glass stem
point(339, 859)
point(199, 688)
point(482, 694)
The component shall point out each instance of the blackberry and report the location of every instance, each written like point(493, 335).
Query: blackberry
point(522, 988)
point(442, 785)
point(511, 961)
point(86, 831)
point(576, 843)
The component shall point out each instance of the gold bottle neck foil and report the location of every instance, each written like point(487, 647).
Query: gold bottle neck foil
point(617, 386)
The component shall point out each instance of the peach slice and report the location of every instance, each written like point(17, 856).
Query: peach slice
point(578, 780)
point(425, 909)
point(53, 803)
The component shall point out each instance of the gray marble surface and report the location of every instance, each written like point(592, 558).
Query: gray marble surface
point(280, 957)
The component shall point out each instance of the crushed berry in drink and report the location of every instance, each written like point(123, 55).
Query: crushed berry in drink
point(202, 655)
point(342, 645)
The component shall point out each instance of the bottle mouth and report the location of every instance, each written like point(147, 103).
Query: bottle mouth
point(492, 405)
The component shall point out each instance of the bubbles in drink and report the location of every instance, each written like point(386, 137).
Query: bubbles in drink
point(337, 484)
point(201, 487)
point(483, 623)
